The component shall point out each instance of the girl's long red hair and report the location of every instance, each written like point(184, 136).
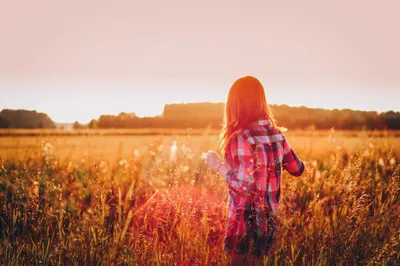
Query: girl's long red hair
point(246, 104)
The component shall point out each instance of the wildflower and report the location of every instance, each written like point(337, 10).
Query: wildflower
point(185, 168)
point(186, 151)
point(173, 147)
point(392, 161)
point(123, 163)
point(173, 157)
point(69, 166)
point(371, 146)
point(48, 149)
point(160, 147)
point(102, 164)
point(318, 174)
point(332, 135)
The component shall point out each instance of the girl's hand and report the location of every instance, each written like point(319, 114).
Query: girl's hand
point(213, 160)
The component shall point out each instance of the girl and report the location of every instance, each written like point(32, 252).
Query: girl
point(255, 154)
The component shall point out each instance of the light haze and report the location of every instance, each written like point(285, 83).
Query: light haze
point(76, 60)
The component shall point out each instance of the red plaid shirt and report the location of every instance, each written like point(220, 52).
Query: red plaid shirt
point(257, 157)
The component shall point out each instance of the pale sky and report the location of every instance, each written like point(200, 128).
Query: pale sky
point(78, 59)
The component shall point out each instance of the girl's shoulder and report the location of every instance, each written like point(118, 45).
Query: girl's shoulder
point(255, 134)
point(261, 134)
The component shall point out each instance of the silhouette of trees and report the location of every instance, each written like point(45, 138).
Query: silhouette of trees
point(391, 120)
point(204, 115)
point(77, 125)
point(24, 119)
point(4, 123)
point(93, 124)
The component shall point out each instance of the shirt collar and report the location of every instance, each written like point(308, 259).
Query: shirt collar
point(263, 122)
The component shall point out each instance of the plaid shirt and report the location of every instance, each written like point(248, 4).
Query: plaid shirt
point(256, 157)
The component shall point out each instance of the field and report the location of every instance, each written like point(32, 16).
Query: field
point(146, 198)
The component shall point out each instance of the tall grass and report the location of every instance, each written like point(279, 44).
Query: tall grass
point(157, 208)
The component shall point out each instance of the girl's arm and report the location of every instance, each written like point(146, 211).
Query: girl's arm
point(240, 178)
point(291, 162)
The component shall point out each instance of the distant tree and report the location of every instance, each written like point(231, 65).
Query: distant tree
point(92, 124)
point(77, 125)
point(391, 119)
point(4, 123)
point(26, 119)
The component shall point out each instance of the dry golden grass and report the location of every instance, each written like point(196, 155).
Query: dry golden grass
point(149, 200)
point(104, 132)
point(109, 144)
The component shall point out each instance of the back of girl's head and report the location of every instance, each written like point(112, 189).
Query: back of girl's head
point(246, 104)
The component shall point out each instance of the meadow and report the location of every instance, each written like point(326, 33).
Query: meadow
point(146, 198)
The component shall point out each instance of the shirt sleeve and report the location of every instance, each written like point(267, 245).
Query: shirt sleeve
point(240, 178)
point(291, 161)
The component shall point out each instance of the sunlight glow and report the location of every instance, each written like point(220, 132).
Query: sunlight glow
point(69, 103)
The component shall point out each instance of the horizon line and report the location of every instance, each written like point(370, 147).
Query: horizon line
point(204, 102)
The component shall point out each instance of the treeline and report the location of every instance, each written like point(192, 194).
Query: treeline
point(25, 119)
point(193, 115)
point(201, 115)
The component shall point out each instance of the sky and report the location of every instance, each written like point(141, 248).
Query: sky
point(78, 59)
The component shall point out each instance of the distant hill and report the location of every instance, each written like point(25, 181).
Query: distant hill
point(194, 110)
point(25, 119)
